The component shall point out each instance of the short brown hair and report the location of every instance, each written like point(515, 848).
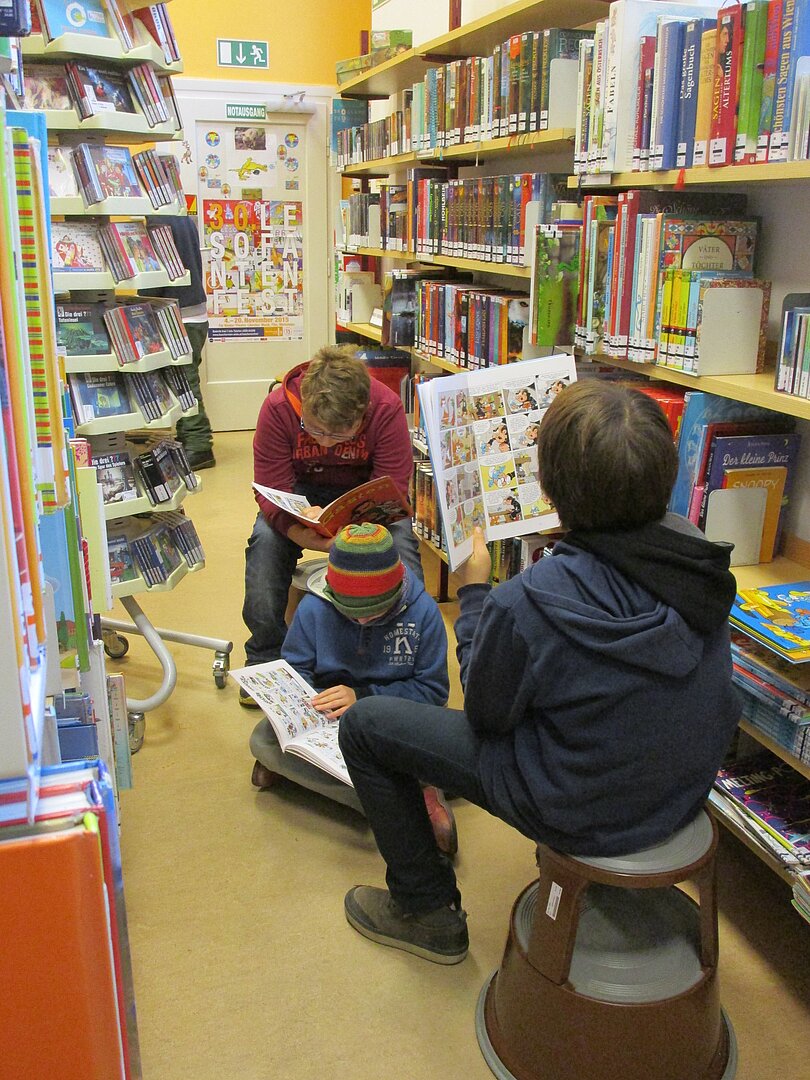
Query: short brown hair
point(336, 387)
point(606, 457)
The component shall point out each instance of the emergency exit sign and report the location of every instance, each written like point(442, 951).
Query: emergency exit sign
point(233, 52)
point(245, 112)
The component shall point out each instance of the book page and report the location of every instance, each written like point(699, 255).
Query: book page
point(482, 429)
point(284, 697)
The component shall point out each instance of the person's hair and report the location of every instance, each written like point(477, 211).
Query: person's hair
point(606, 457)
point(336, 387)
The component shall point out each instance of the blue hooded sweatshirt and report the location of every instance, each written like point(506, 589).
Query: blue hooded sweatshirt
point(603, 713)
point(403, 654)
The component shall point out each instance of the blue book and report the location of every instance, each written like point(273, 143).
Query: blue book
point(688, 93)
point(799, 46)
point(66, 17)
point(700, 410)
point(15, 18)
point(668, 70)
point(776, 615)
point(780, 121)
point(77, 740)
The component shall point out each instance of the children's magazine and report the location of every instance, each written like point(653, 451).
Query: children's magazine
point(285, 698)
point(378, 501)
point(778, 616)
point(482, 430)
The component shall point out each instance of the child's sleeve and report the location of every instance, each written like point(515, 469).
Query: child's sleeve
point(299, 649)
point(430, 682)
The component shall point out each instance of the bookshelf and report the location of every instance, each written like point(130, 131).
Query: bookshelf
point(470, 153)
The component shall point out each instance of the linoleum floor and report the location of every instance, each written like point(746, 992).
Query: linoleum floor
point(245, 968)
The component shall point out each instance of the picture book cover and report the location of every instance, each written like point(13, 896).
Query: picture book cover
point(285, 699)
point(104, 89)
point(140, 254)
point(99, 394)
point(45, 86)
point(708, 245)
point(778, 616)
point(75, 247)
point(72, 17)
point(141, 325)
point(80, 329)
point(115, 171)
point(378, 501)
point(772, 479)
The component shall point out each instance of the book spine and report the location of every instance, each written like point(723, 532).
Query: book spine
point(687, 97)
point(667, 145)
point(799, 47)
point(646, 106)
point(705, 96)
point(780, 119)
point(773, 34)
point(755, 15)
point(723, 134)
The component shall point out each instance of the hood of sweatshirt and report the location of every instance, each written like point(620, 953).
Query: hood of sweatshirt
point(645, 598)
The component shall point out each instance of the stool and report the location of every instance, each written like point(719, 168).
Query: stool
point(309, 576)
point(610, 972)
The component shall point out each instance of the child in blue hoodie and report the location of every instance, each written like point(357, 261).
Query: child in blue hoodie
point(378, 632)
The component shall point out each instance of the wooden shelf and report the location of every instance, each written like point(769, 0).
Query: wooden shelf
point(373, 333)
point(437, 361)
point(509, 269)
point(475, 38)
point(745, 838)
point(726, 174)
point(775, 748)
point(752, 389)
point(559, 140)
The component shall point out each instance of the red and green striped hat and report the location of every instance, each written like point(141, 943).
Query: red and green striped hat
point(364, 575)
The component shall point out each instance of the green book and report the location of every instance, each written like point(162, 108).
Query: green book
point(755, 14)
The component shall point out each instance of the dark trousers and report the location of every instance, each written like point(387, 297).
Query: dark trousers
point(194, 432)
point(386, 743)
point(270, 561)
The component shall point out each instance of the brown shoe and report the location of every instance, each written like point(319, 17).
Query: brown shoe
point(442, 820)
point(262, 777)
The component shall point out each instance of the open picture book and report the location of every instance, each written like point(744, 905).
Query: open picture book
point(481, 429)
point(285, 698)
point(378, 501)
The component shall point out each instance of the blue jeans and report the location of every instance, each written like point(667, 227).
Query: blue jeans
point(386, 743)
point(270, 561)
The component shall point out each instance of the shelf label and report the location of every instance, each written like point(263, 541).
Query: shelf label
point(245, 112)
point(235, 52)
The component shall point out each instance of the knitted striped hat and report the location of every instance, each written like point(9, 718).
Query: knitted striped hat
point(364, 575)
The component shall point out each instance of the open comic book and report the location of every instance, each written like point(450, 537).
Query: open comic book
point(481, 429)
point(378, 501)
point(285, 699)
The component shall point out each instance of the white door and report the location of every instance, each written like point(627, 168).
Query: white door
point(262, 189)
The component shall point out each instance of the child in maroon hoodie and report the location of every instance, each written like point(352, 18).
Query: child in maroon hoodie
point(327, 428)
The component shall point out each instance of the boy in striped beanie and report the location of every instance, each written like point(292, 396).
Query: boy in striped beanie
point(376, 632)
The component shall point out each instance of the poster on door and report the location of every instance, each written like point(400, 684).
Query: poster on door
point(255, 278)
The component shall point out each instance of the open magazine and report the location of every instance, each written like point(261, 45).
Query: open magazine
point(285, 698)
point(378, 501)
point(481, 429)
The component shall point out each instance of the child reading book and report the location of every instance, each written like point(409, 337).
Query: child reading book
point(324, 430)
point(376, 632)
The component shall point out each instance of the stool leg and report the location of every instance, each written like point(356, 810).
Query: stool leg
point(706, 881)
point(556, 916)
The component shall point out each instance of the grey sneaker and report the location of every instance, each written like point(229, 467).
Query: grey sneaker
point(440, 936)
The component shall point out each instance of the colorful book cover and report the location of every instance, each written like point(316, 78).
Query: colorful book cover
point(708, 245)
point(703, 109)
point(773, 32)
point(75, 247)
point(751, 76)
point(775, 794)
point(45, 86)
point(778, 616)
point(140, 254)
point(116, 477)
point(115, 172)
point(122, 564)
point(87, 17)
point(103, 90)
point(554, 285)
point(99, 394)
point(773, 479)
point(80, 329)
point(725, 91)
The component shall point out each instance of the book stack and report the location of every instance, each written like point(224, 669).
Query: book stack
point(151, 391)
point(671, 85)
point(793, 358)
point(770, 801)
point(105, 172)
point(775, 694)
point(148, 89)
point(163, 242)
point(99, 90)
point(128, 248)
point(171, 326)
point(155, 180)
point(399, 304)
point(156, 20)
point(154, 554)
point(134, 330)
point(162, 469)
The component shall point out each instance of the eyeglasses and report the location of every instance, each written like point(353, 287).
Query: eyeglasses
point(328, 434)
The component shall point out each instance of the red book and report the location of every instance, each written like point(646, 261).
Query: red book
point(726, 87)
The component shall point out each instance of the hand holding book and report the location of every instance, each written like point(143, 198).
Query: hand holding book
point(477, 569)
point(334, 702)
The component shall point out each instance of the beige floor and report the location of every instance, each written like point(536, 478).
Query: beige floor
point(245, 968)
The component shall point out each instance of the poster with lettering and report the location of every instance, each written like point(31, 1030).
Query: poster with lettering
point(255, 278)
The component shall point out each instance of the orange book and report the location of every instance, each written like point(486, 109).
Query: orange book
point(772, 478)
point(58, 1011)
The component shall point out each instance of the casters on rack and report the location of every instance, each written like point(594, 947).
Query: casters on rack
point(137, 729)
point(220, 668)
point(115, 646)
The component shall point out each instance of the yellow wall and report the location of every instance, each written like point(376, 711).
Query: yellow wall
point(306, 37)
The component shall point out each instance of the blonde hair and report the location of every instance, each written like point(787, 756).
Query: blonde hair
point(336, 387)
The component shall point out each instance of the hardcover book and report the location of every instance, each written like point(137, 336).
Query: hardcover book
point(777, 616)
point(285, 699)
point(113, 170)
point(378, 501)
point(75, 246)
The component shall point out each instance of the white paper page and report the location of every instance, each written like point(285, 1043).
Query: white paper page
point(287, 500)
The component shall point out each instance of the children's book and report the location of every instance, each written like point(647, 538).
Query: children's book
point(110, 169)
point(116, 477)
point(378, 501)
point(66, 17)
point(100, 90)
point(75, 247)
point(122, 565)
point(285, 699)
point(46, 87)
point(778, 616)
point(482, 429)
point(80, 329)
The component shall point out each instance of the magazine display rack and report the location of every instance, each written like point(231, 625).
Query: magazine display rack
point(754, 389)
point(116, 129)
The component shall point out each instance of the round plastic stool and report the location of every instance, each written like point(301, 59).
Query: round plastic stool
point(610, 971)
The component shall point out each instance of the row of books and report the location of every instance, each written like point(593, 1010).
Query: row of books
point(99, 172)
point(793, 358)
point(508, 92)
point(471, 326)
point(102, 19)
point(154, 552)
point(124, 248)
point(158, 472)
point(132, 330)
point(93, 90)
point(99, 395)
point(673, 85)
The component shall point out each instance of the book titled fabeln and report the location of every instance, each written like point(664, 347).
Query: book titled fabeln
point(285, 698)
point(379, 501)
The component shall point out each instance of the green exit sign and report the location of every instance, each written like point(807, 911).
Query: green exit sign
point(233, 52)
point(245, 112)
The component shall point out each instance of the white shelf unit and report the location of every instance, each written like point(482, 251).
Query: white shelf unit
point(75, 206)
point(142, 505)
point(103, 281)
point(110, 362)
